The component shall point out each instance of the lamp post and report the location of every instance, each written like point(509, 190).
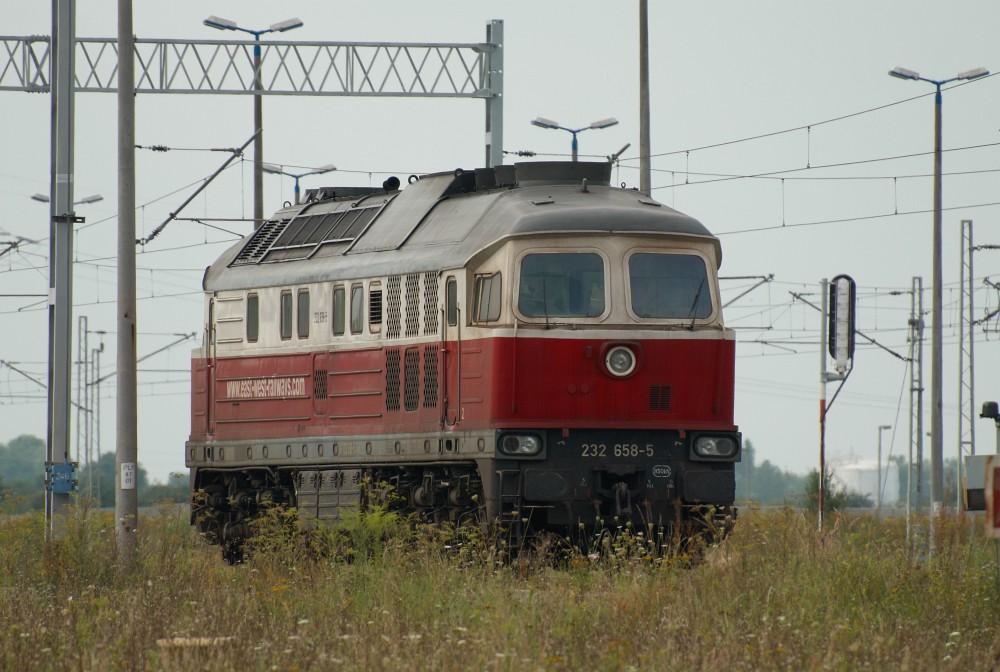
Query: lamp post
point(542, 122)
point(937, 432)
point(258, 113)
point(878, 486)
point(278, 170)
point(93, 198)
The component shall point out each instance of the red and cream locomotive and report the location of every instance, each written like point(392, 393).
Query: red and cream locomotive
point(523, 344)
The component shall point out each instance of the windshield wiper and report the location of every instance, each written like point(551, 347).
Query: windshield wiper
point(694, 304)
point(545, 301)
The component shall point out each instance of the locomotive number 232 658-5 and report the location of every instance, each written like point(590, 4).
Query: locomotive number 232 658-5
point(616, 450)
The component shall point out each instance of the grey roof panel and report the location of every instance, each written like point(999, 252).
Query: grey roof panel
point(426, 227)
point(398, 219)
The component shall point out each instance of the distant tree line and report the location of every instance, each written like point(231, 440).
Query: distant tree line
point(22, 479)
point(768, 484)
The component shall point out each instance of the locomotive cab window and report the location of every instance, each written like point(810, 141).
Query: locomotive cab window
point(253, 318)
point(339, 310)
point(286, 315)
point(303, 313)
point(487, 298)
point(357, 308)
point(669, 286)
point(562, 284)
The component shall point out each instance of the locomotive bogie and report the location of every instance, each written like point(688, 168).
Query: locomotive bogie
point(488, 354)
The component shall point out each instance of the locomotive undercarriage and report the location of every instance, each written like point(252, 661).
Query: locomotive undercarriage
point(619, 503)
point(226, 501)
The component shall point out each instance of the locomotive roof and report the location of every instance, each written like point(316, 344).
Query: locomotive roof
point(439, 221)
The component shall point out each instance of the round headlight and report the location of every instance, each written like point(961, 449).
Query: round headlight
point(620, 361)
point(520, 444)
point(715, 446)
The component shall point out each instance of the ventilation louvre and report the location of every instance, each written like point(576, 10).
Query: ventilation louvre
point(394, 308)
point(411, 375)
point(430, 376)
point(430, 303)
point(260, 242)
point(392, 379)
point(319, 384)
point(659, 397)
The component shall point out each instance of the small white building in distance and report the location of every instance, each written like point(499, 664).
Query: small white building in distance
point(861, 476)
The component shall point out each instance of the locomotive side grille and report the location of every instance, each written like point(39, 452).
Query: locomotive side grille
point(430, 376)
point(413, 304)
point(659, 397)
point(393, 324)
point(260, 242)
point(375, 308)
point(392, 379)
point(411, 376)
point(430, 303)
point(319, 384)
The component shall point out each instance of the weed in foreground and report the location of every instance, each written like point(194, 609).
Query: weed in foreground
point(386, 593)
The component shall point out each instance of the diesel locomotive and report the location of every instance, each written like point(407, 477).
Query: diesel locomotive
point(523, 345)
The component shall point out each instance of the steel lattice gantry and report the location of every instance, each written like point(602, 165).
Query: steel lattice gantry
point(425, 70)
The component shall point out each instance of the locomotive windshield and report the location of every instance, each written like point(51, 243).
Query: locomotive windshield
point(669, 286)
point(561, 285)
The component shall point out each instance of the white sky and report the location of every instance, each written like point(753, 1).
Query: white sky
point(721, 71)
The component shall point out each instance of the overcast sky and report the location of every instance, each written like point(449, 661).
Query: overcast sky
point(721, 72)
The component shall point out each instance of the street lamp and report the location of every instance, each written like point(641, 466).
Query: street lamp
point(277, 170)
point(258, 114)
point(878, 491)
point(93, 198)
point(937, 432)
point(542, 122)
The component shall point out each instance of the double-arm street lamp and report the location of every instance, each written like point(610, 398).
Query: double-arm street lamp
point(937, 432)
point(258, 143)
point(542, 122)
point(93, 198)
point(279, 170)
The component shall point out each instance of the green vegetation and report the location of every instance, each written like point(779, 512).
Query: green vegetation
point(765, 483)
point(835, 498)
point(22, 479)
point(382, 594)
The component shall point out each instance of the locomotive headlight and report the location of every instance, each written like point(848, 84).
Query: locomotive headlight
point(620, 361)
point(520, 444)
point(715, 446)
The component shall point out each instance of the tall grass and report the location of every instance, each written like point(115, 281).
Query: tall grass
point(380, 594)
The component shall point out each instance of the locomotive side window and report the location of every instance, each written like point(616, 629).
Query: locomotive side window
point(339, 312)
point(253, 318)
point(303, 314)
point(452, 300)
point(286, 315)
point(669, 286)
point(357, 308)
point(562, 284)
point(488, 298)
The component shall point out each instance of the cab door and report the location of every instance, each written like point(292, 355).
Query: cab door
point(451, 354)
point(210, 367)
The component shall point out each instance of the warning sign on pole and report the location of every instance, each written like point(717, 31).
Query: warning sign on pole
point(993, 497)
